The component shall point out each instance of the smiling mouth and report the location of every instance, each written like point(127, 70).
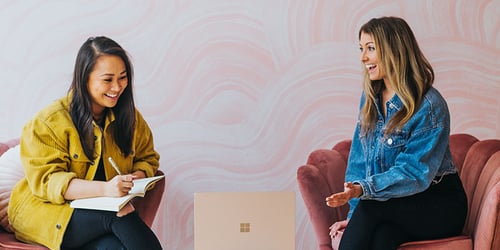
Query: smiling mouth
point(111, 95)
point(370, 66)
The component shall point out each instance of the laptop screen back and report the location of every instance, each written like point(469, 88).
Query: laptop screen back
point(244, 220)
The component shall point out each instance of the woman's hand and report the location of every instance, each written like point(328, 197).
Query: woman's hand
point(350, 191)
point(336, 227)
point(139, 174)
point(129, 208)
point(119, 186)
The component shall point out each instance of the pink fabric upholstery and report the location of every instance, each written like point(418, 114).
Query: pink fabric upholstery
point(323, 173)
point(8, 241)
point(478, 163)
point(147, 208)
point(455, 243)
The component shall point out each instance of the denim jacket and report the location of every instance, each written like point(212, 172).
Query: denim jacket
point(408, 160)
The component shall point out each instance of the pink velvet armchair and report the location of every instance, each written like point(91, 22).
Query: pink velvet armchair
point(147, 207)
point(479, 167)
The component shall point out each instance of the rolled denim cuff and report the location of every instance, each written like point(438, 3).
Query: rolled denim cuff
point(365, 195)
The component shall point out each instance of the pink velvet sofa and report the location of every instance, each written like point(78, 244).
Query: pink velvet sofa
point(147, 206)
point(478, 162)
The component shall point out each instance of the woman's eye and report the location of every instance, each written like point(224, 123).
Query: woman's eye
point(371, 48)
point(107, 80)
point(360, 49)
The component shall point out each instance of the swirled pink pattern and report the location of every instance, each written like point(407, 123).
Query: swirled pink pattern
point(239, 92)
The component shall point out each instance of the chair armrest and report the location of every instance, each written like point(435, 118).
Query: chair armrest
point(322, 176)
point(147, 206)
point(483, 219)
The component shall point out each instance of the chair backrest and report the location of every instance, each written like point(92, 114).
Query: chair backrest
point(343, 147)
point(459, 146)
point(4, 146)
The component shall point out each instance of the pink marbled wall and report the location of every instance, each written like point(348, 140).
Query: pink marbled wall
point(239, 92)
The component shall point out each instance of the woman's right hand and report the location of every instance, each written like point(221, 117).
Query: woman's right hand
point(336, 227)
point(341, 198)
point(119, 186)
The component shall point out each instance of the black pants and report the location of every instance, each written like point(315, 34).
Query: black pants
point(93, 229)
point(438, 212)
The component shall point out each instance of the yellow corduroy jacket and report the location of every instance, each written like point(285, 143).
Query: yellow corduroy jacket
point(52, 155)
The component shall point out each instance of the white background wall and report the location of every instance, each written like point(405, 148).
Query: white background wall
point(238, 92)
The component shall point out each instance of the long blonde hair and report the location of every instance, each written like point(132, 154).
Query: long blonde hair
point(405, 66)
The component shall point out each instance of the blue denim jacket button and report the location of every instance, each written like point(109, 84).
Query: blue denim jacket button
point(389, 141)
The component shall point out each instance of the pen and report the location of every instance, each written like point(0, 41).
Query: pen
point(113, 164)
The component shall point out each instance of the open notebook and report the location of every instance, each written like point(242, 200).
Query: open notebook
point(141, 186)
point(244, 220)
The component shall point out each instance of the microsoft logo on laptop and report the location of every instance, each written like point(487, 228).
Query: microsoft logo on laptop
point(244, 227)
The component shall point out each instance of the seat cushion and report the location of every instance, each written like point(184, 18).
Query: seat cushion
point(455, 243)
point(8, 241)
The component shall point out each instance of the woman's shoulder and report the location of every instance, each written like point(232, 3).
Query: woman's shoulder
point(434, 101)
point(434, 106)
point(57, 111)
point(138, 116)
point(434, 96)
point(140, 120)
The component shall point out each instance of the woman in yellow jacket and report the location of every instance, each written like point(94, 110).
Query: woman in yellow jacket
point(63, 150)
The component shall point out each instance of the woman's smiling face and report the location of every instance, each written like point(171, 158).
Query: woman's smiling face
point(369, 57)
point(107, 81)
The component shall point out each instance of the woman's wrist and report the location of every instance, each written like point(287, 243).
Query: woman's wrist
point(358, 190)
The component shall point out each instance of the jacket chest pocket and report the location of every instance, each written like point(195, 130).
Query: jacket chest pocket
point(393, 145)
point(79, 163)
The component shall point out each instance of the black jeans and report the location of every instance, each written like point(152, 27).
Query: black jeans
point(94, 229)
point(438, 212)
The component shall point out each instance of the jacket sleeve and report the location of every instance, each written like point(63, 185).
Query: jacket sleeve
point(146, 157)
point(45, 161)
point(356, 167)
point(356, 164)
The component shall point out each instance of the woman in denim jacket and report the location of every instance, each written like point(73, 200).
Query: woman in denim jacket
point(401, 183)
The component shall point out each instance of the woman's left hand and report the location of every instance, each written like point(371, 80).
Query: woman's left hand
point(129, 208)
point(336, 227)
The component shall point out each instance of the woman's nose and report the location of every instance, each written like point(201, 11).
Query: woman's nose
point(363, 56)
point(116, 85)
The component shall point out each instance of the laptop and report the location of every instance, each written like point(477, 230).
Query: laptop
point(244, 221)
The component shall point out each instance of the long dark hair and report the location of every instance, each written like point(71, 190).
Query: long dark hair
point(80, 107)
